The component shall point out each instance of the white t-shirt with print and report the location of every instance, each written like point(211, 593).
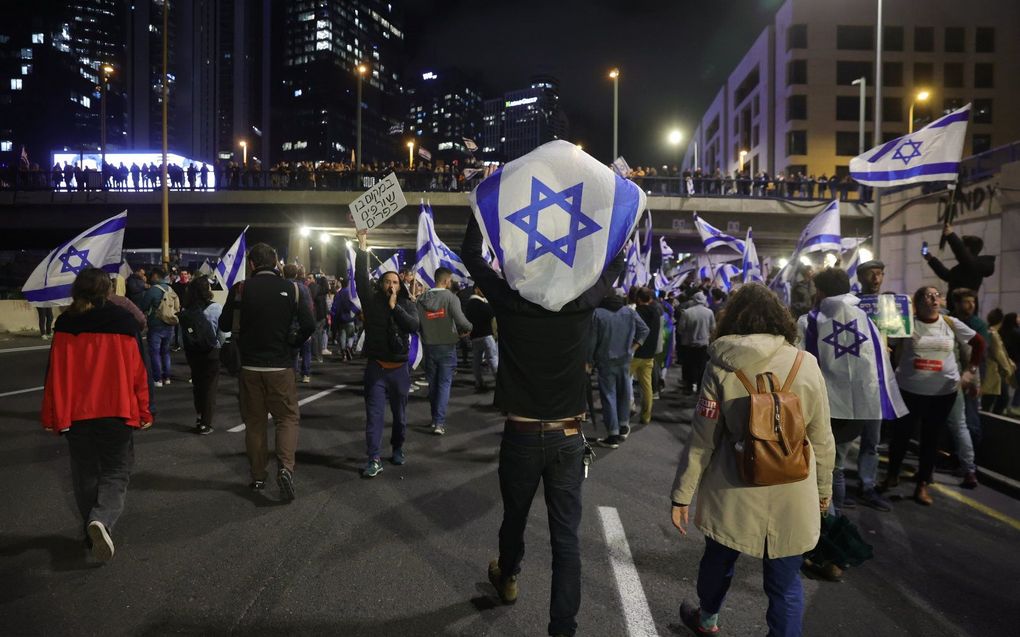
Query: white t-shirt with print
point(928, 364)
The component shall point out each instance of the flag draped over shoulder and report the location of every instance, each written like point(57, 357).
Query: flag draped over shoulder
point(556, 218)
point(432, 253)
point(822, 233)
point(851, 355)
point(751, 265)
point(932, 153)
point(230, 269)
point(100, 246)
point(714, 238)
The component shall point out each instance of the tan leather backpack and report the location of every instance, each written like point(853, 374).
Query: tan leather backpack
point(774, 449)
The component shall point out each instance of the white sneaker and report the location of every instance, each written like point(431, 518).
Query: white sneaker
point(326, 352)
point(237, 429)
point(102, 545)
point(158, 383)
point(306, 379)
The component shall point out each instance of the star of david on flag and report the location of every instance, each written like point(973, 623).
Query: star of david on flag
point(100, 246)
point(230, 269)
point(854, 348)
point(932, 153)
point(555, 218)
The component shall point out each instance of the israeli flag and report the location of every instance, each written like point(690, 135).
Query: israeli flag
point(632, 275)
point(664, 249)
point(726, 275)
point(555, 219)
point(851, 355)
point(714, 238)
point(752, 267)
point(230, 269)
point(205, 269)
point(100, 246)
point(696, 263)
point(352, 288)
point(621, 167)
point(124, 271)
point(415, 352)
point(851, 270)
point(389, 265)
point(930, 154)
point(432, 253)
point(822, 232)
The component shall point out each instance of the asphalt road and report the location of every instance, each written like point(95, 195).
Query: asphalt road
point(406, 552)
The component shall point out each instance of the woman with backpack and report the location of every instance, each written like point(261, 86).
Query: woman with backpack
point(202, 341)
point(762, 484)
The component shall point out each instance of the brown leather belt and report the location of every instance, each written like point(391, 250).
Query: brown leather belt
point(569, 426)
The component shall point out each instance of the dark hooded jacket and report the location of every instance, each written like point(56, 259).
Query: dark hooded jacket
point(387, 331)
point(969, 272)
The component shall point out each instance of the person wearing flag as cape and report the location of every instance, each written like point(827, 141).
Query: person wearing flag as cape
point(390, 317)
point(554, 274)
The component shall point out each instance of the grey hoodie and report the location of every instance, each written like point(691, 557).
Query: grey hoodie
point(442, 320)
point(696, 323)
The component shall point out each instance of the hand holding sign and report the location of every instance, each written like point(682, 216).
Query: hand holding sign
point(380, 203)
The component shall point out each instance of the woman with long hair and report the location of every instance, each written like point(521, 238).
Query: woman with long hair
point(776, 523)
point(203, 354)
point(96, 396)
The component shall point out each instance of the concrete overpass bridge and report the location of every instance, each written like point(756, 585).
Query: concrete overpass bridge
point(38, 220)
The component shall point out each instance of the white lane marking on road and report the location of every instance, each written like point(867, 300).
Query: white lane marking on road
point(20, 391)
point(23, 349)
point(321, 394)
point(628, 582)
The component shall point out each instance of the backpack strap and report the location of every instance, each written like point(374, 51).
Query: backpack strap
point(747, 384)
point(793, 371)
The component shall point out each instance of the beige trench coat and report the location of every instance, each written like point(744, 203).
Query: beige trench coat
point(742, 517)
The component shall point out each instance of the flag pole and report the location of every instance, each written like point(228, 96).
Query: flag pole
point(163, 179)
point(876, 220)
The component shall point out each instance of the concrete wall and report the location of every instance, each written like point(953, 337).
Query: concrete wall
point(988, 209)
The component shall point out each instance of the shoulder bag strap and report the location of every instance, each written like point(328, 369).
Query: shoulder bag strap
point(793, 371)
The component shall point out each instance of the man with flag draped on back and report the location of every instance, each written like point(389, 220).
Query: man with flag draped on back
point(557, 220)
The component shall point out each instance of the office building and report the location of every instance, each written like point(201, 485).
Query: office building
point(444, 108)
point(790, 104)
point(522, 120)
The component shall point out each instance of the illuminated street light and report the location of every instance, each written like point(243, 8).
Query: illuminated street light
point(805, 261)
point(865, 255)
point(742, 155)
point(615, 76)
point(920, 96)
point(783, 262)
point(830, 260)
point(244, 153)
point(324, 237)
point(305, 231)
point(675, 137)
point(410, 154)
point(362, 69)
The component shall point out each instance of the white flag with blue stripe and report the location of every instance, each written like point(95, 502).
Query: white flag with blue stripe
point(392, 264)
point(751, 265)
point(714, 238)
point(726, 275)
point(556, 218)
point(100, 246)
point(664, 249)
point(930, 154)
point(352, 287)
point(851, 271)
point(432, 253)
point(230, 269)
point(822, 232)
point(415, 352)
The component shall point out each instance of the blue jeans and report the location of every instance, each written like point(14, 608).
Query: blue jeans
point(303, 358)
point(782, 585)
point(481, 348)
point(159, 351)
point(382, 385)
point(440, 361)
point(555, 459)
point(971, 406)
point(616, 392)
point(867, 458)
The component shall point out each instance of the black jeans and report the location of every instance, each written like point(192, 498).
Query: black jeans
point(205, 378)
point(102, 453)
point(931, 413)
point(693, 359)
point(556, 460)
point(45, 320)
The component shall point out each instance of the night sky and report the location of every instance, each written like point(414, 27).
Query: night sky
point(673, 58)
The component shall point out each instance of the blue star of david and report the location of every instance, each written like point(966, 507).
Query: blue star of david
point(849, 328)
point(65, 260)
point(569, 199)
point(914, 151)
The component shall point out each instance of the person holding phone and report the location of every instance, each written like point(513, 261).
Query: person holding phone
point(971, 267)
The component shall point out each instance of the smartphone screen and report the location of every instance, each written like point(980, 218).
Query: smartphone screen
point(924, 248)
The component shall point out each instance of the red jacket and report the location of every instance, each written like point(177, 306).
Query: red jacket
point(95, 370)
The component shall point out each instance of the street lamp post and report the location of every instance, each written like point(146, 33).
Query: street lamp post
point(410, 154)
point(863, 83)
point(741, 155)
point(615, 76)
point(361, 74)
point(876, 217)
point(920, 96)
point(244, 154)
point(107, 71)
point(163, 171)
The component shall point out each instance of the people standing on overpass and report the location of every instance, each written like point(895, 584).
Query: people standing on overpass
point(160, 304)
point(98, 409)
point(274, 320)
point(540, 385)
point(442, 324)
point(776, 523)
point(390, 317)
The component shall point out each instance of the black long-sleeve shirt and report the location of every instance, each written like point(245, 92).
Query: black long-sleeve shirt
point(542, 354)
point(387, 330)
point(969, 271)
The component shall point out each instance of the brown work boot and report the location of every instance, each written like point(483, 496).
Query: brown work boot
point(921, 494)
point(506, 588)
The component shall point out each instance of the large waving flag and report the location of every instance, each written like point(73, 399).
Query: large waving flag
point(822, 232)
point(930, 154)
point(664, 249)
point(389, 265)
point(751, 265)
point(726, 275)
point(352, 288)
point(230, 269)
point(556, 218)
point(714, 238)
point(432, 253)
point(100, 246)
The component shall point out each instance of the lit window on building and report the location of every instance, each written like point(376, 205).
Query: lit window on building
point(26, 54)
point(38, 38)
point(297, 92)
point(16, 84)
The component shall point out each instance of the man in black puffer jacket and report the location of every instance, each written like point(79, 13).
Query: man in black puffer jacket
point(390, 317)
